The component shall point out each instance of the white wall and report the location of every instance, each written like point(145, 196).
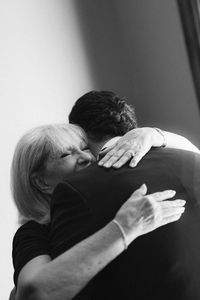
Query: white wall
point(43, 69)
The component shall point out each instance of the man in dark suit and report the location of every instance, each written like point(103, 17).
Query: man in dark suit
point(163, 265)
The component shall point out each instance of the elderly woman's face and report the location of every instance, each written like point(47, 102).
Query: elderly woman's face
point(70, 161)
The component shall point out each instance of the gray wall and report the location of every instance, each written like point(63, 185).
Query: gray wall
point(137, 48)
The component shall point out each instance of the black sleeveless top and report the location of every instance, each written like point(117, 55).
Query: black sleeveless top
point(30, 241)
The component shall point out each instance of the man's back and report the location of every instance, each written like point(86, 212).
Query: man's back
point(164, 264)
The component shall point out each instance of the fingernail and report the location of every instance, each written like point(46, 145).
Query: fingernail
point(143, 186)
point(107, 165)
point(182, 202)
point(100, 163)
point(132, 165)
point(172, 192)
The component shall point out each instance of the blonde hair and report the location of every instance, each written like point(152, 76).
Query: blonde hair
point(31, 153)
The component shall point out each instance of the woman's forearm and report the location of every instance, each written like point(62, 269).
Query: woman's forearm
point(177, 141)
point(65, 276)
point(171, 140)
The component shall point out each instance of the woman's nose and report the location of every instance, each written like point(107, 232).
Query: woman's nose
point(85, 157)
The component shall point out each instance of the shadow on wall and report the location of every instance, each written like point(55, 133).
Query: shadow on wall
point(136, 48)
point(103, 39)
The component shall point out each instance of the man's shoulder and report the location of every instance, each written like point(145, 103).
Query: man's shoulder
point(171, 151)
point(84, 179)
point(172, 154)
point(156, 158)
point(95, 173)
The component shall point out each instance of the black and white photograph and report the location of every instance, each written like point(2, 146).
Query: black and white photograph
point(100, 153)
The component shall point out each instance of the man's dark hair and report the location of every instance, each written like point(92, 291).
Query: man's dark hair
point(103, 113)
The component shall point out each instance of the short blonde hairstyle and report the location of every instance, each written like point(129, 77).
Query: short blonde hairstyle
point(31, 153)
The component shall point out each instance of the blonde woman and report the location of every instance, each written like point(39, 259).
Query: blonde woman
point(45, 156)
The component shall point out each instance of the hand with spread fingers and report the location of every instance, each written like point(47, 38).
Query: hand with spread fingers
point(143, 213)
point(132, 147)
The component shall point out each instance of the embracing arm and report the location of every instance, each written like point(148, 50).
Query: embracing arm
point(65, 276)
point(179, 142)
point(137, 142)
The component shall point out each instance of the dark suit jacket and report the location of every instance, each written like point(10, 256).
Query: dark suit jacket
point(161, 265)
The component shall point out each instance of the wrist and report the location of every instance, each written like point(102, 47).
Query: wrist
point(160, 139)
point(122, 233)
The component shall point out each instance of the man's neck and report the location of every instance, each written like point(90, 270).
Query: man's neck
point(96, 147)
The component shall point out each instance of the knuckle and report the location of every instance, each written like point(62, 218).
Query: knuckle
point(126, 142)
point(166, 204)
point(105, 158)
point(123, 159)
point(149, 198)
point(111, 152)
point(159, 194)
point(128, 154)
point(120, 152)
point(113, 157)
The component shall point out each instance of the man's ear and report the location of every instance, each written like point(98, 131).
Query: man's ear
point(39, 182)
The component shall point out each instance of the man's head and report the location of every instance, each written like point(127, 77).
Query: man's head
point(103, 114)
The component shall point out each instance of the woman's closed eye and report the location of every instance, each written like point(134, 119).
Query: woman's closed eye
point(64, 155)
point(86, 149)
